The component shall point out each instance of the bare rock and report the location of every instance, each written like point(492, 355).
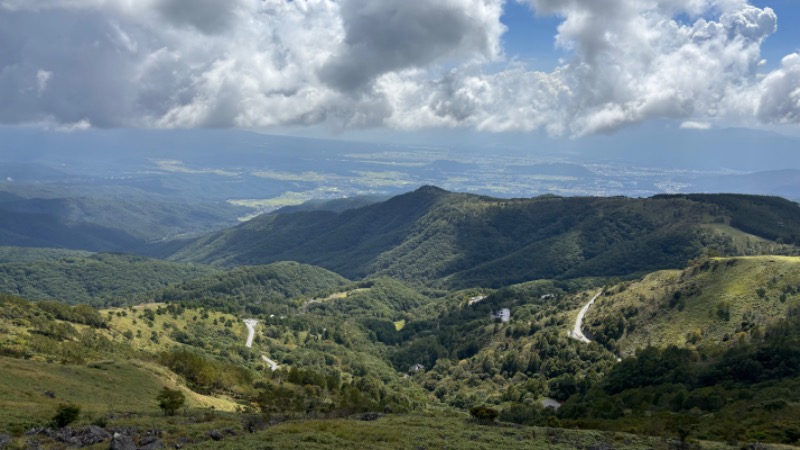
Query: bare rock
point(600, 446)
point(215, 435)
point(153, 443)
point(122, 442)
point(92, 435)
point(756, 446)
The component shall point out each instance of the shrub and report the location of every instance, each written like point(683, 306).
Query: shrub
point(483, 414)
point(66, 413)
point(170, 400)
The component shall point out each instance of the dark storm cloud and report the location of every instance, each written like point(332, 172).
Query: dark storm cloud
point(391, 35)
point(54, 66)
point(207, 16)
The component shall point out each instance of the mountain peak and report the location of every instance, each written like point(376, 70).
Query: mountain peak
point(430, 189)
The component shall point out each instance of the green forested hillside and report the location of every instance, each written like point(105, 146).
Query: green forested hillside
point(253, 288)
point(100, 279)
point(741, 392)
point(459, 240)
point(472, 358)
point(345, 243)
point(36, 254)
point(34, 229)
point(711, 301)
point(346, 347)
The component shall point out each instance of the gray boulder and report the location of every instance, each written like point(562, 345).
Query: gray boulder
point(215, 435)
point(155, 444)
point(600, 446)
point(122, 442)
point(151, 443)
point(92, 435)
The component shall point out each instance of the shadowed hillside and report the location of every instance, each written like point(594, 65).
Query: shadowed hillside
point(103, 225)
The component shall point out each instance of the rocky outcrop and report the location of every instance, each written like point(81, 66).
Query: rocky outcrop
point(122, 442)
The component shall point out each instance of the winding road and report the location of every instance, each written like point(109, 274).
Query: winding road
point(251, 332)
point(577, 332)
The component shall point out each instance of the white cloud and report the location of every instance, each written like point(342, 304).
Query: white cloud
point(779, 100)
point(694, 125)
point(395, 63)
point(42, 77)
point(81, 125)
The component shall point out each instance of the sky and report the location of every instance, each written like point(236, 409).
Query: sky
point(565, 69)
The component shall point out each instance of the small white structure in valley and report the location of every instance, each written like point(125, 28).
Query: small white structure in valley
point(504, 315)
point(476, 299)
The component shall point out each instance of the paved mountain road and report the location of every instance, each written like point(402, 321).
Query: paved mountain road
point(577, 332)
point(251, 332)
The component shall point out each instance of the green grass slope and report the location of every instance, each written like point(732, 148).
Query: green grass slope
point(101, 388)
point(329, 366)
point(460, 240)
point(433, 432)
point(713, 300)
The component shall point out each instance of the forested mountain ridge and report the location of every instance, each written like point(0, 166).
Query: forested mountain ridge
point(461, 240)
point(25, 225)
point(101, 279)
point(46, 220)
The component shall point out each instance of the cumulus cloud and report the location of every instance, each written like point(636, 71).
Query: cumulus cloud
point(779, 100)
point(693, 125)
point(396, 63)
point(632, 62)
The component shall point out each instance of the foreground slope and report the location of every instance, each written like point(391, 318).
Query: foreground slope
point(461, 240)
